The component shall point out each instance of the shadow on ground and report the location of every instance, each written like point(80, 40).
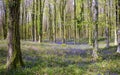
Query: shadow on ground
point(68, 61)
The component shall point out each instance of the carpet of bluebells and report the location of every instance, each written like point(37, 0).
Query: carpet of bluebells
point(62, 59)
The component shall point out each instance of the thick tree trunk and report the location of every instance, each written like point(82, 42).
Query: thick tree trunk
point(14, 58)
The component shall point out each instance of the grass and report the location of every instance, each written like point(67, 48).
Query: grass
point(54, 59)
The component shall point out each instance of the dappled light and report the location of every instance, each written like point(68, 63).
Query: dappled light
point(59, 37)
point(46, 58)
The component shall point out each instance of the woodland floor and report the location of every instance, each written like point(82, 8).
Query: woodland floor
point(62, 59)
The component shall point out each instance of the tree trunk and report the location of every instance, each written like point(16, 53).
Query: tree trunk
point(118, 24)
point(33, 18)
point(25, 22)
point(75, 23)
point(107, 23)
point(22, 21)
point(95, 27)
point(41, 20)
point(50, 24)
point(14, 58)
point(62, 15)
point(5, 21)
point(90, 20)
point(55, 20)
point(36, 25)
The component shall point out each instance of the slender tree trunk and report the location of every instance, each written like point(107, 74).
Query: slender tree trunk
point(118, 24)
point(50, 24)
point(5, 21)
point(62, 15)
point(22, 24)
point(33, 21)
point(110, 18)
point(42, 2)
point(107, 23)
point(90, 20)
point(25, 22)
point(36, 25)
point(95, 28)
point(55, 20)
point(75, 23)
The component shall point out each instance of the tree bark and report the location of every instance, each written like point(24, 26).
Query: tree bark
point(5, 21)
point(50, 24)
point(107, 23)
point(75, 23)
point(118, 25)
point(62, 15)
point(55, 19)
point(33, 21)
point(95, 27)
point(42, 3)
point(14, 58)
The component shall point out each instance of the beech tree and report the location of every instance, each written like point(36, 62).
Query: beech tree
point(14, 58)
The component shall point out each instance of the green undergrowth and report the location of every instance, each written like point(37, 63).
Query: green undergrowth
point(53, 59)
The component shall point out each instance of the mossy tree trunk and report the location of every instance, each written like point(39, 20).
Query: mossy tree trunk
point(14, 58)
